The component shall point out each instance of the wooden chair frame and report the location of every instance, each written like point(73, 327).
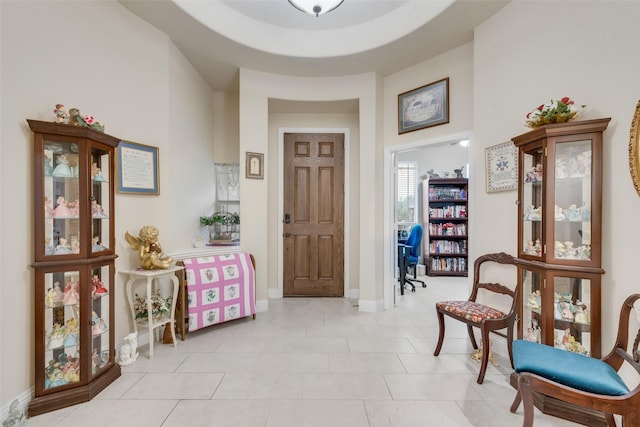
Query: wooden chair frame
point(486, 325)
point(628, 405)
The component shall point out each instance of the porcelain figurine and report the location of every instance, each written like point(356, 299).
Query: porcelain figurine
point(128, 350)
point(62, 169)
point(566, 311)
point(96, 246)
point(61, 114)
point(15, 417)
point(61, 210)
point(98, 287)
point(149, 249)
point(56, 337)
point(582, 313)
point(70, 294)
point(96, 210)
point(63, 247)
point(48, 168)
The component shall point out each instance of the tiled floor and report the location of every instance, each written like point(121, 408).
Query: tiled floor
point(311, 362)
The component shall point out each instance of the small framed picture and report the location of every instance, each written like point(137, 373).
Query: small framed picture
point(424, 107)
point(255, 165)
point(502, 167)
point(137, 168)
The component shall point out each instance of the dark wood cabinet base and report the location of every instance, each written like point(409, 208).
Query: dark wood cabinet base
point(53, 401)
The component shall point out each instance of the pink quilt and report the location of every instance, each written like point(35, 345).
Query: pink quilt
point(219, 288)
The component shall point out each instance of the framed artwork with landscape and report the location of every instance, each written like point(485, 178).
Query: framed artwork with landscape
point(424, 107)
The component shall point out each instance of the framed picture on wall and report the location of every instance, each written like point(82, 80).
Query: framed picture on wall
point(502, 167)
point(255, 165)
point(137, 168)
point(424, 107)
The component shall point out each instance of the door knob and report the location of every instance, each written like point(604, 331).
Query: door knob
point(287, 234)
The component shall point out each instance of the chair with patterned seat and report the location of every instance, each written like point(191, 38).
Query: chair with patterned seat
point(482, 316)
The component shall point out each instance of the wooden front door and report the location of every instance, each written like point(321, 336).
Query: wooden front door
point(313, 214)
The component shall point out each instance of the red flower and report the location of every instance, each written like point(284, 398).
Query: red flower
point(565, 100)
point(540, 107)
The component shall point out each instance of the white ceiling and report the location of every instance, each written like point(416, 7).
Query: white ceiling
point(220, 36)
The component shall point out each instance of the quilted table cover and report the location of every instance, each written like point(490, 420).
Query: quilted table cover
point(219, 288)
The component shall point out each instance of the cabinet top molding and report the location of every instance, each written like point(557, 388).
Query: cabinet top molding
point(560, 129)
point(71, 130)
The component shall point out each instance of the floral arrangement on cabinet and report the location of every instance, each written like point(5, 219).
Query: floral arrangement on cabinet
point(560, 111)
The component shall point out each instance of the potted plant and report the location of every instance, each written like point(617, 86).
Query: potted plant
point(221, 225)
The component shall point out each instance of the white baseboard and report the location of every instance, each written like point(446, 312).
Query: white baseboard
point(353, 294)
point(274, 293)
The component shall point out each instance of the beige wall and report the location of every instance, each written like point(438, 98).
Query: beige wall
point(529, 53)
point(256, 89)
point(145, 91)
point(131, 78)
point(317, 122)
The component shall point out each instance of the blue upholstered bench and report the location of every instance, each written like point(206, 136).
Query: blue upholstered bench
point(579, 385)
point(567, 368)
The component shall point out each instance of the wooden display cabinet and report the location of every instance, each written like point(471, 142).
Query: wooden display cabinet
point(559, 244)
point(74, 264)
point(445, 218)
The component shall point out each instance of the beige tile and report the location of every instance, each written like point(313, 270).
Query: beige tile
point(345, 386)
point(218, 362)
point(413, 413)
point(315, 345)
point(317, 413)
point(207, 413)
point(121, 413)
point(119, 387)
point(260, 386)
point(292, 362)
point(365, 363)
point(432, 386)
point(174, 386)
point(380, 345)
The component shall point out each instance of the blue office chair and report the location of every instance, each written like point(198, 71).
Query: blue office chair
point(408, 257)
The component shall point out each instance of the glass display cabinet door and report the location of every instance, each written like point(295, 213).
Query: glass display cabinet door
point(61, 325)
point(62, 208)
point(532, 239)
point(101, 199)
point(572, 208)
point(101, 281)
point(532, 305)
point(572, 305)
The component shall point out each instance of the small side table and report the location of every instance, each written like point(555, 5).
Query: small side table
point(150, 323)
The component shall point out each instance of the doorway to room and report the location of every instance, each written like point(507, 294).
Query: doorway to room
point(407, 168)
point(313, 220)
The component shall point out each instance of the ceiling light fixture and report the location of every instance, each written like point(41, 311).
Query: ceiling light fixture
point(315, 7)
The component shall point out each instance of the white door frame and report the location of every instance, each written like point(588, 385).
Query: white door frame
point(279, 291)
point(390, 229)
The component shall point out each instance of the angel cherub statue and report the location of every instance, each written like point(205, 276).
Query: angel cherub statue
point(149, 250)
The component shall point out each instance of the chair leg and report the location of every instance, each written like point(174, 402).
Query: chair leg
point(516, 402)
point(472, 337)
point(526, 394)
point(441, 335)
point(486, 349)
point(611, 422)
point(510, 343)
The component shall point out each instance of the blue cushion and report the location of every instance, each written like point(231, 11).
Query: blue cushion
point(567, 368)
